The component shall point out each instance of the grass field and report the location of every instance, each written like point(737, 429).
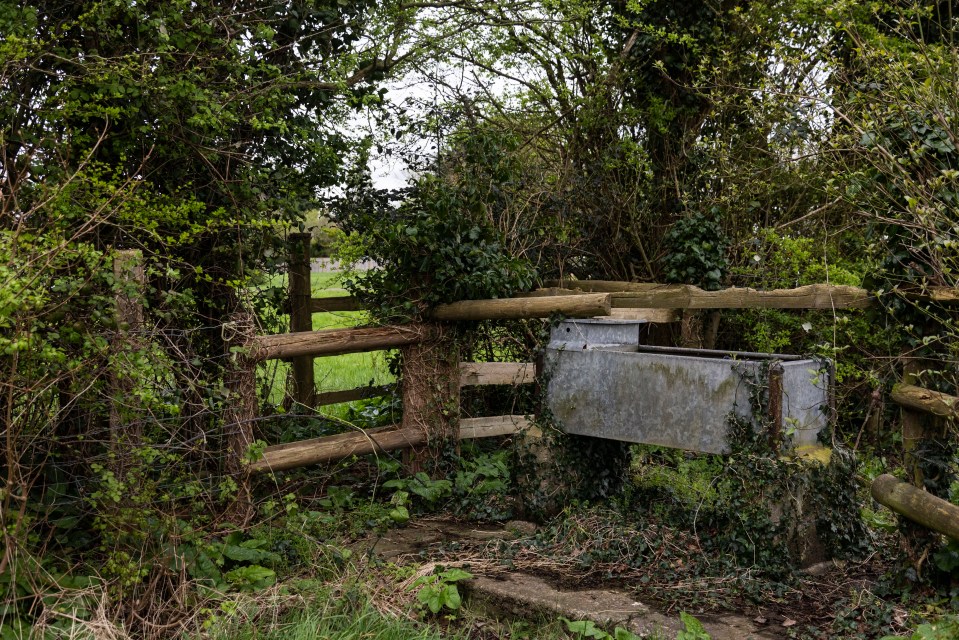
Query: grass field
point(334, 373)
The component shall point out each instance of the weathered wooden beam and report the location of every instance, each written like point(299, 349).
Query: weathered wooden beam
point(925, 400)
point(551, 291)
point(643, 315)
point(338, 447)
point(813, 296)
point(581, 306)
point(337, 341)
point(917, 505)
point(639, 295)
point(301, 318)
point(473, 428)
point(335, 304)
point(936, 294)
point(655, 316)
point(343, 445)
point(483, 373)
point(431, 398)
point(349, 395)
point(603, 286)
point(239, 415)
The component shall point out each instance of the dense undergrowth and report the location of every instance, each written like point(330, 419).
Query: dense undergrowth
point(770, 145)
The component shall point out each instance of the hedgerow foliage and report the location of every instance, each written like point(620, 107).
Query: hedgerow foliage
point(443, 239)
point(193, 132)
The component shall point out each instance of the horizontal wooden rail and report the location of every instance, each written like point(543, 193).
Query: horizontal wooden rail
point(475, 428)
point(337, 341)
point(495, 308)
point(581, 306)
point(603, 286)
point(335, 304)
point(642, 295)
point(917, 505)
point(815, 296)
point(349, 395)
point(332, 448)
point(934, 402)
point(343, 445)
point(483, 373)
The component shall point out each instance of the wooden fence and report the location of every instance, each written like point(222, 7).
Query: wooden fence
point(426, 342)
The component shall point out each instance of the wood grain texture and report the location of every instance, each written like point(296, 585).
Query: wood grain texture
point(813, 296)
point(472, 428)
point(581, 306)
point(332, 448)
point(483, 373)
point(925, 400)
point(603, 286)
point(647, 295)
point(349, 395)
point(301, 316)
point(917, 505)
point(337, 341)
point(653, 316)
point(335, 304)
point(338, 447)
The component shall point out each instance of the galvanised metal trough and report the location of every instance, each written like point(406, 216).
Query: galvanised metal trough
point(603, 383)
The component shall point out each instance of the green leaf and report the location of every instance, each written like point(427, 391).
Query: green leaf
point(693, 628)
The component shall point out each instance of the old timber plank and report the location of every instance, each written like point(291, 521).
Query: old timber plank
point(581, 306)
point(926, 400)
point(337, 341)
point(483, 373)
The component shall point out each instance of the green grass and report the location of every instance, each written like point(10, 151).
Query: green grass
point(333, 373)
point(366, 623)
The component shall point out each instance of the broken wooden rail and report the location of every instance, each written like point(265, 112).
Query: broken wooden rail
point(917, 504)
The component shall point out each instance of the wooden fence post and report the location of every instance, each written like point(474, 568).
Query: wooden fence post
point(913, 425)
point(431, 396)
point(241, 411)
point(301, 315)
point(130, 278)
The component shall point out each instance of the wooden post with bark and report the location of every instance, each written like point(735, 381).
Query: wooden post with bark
point(914, 426)
point(241, 411)
point(130, 280)
point(431, 396)
point(303, 389)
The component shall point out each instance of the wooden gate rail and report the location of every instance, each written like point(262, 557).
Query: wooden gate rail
point(471, 374)
point(636, 295)
point(643, 295)
point(908, 499)
point(330, 342)
point(917, 504)
point(925, 400)
point(332, 448)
